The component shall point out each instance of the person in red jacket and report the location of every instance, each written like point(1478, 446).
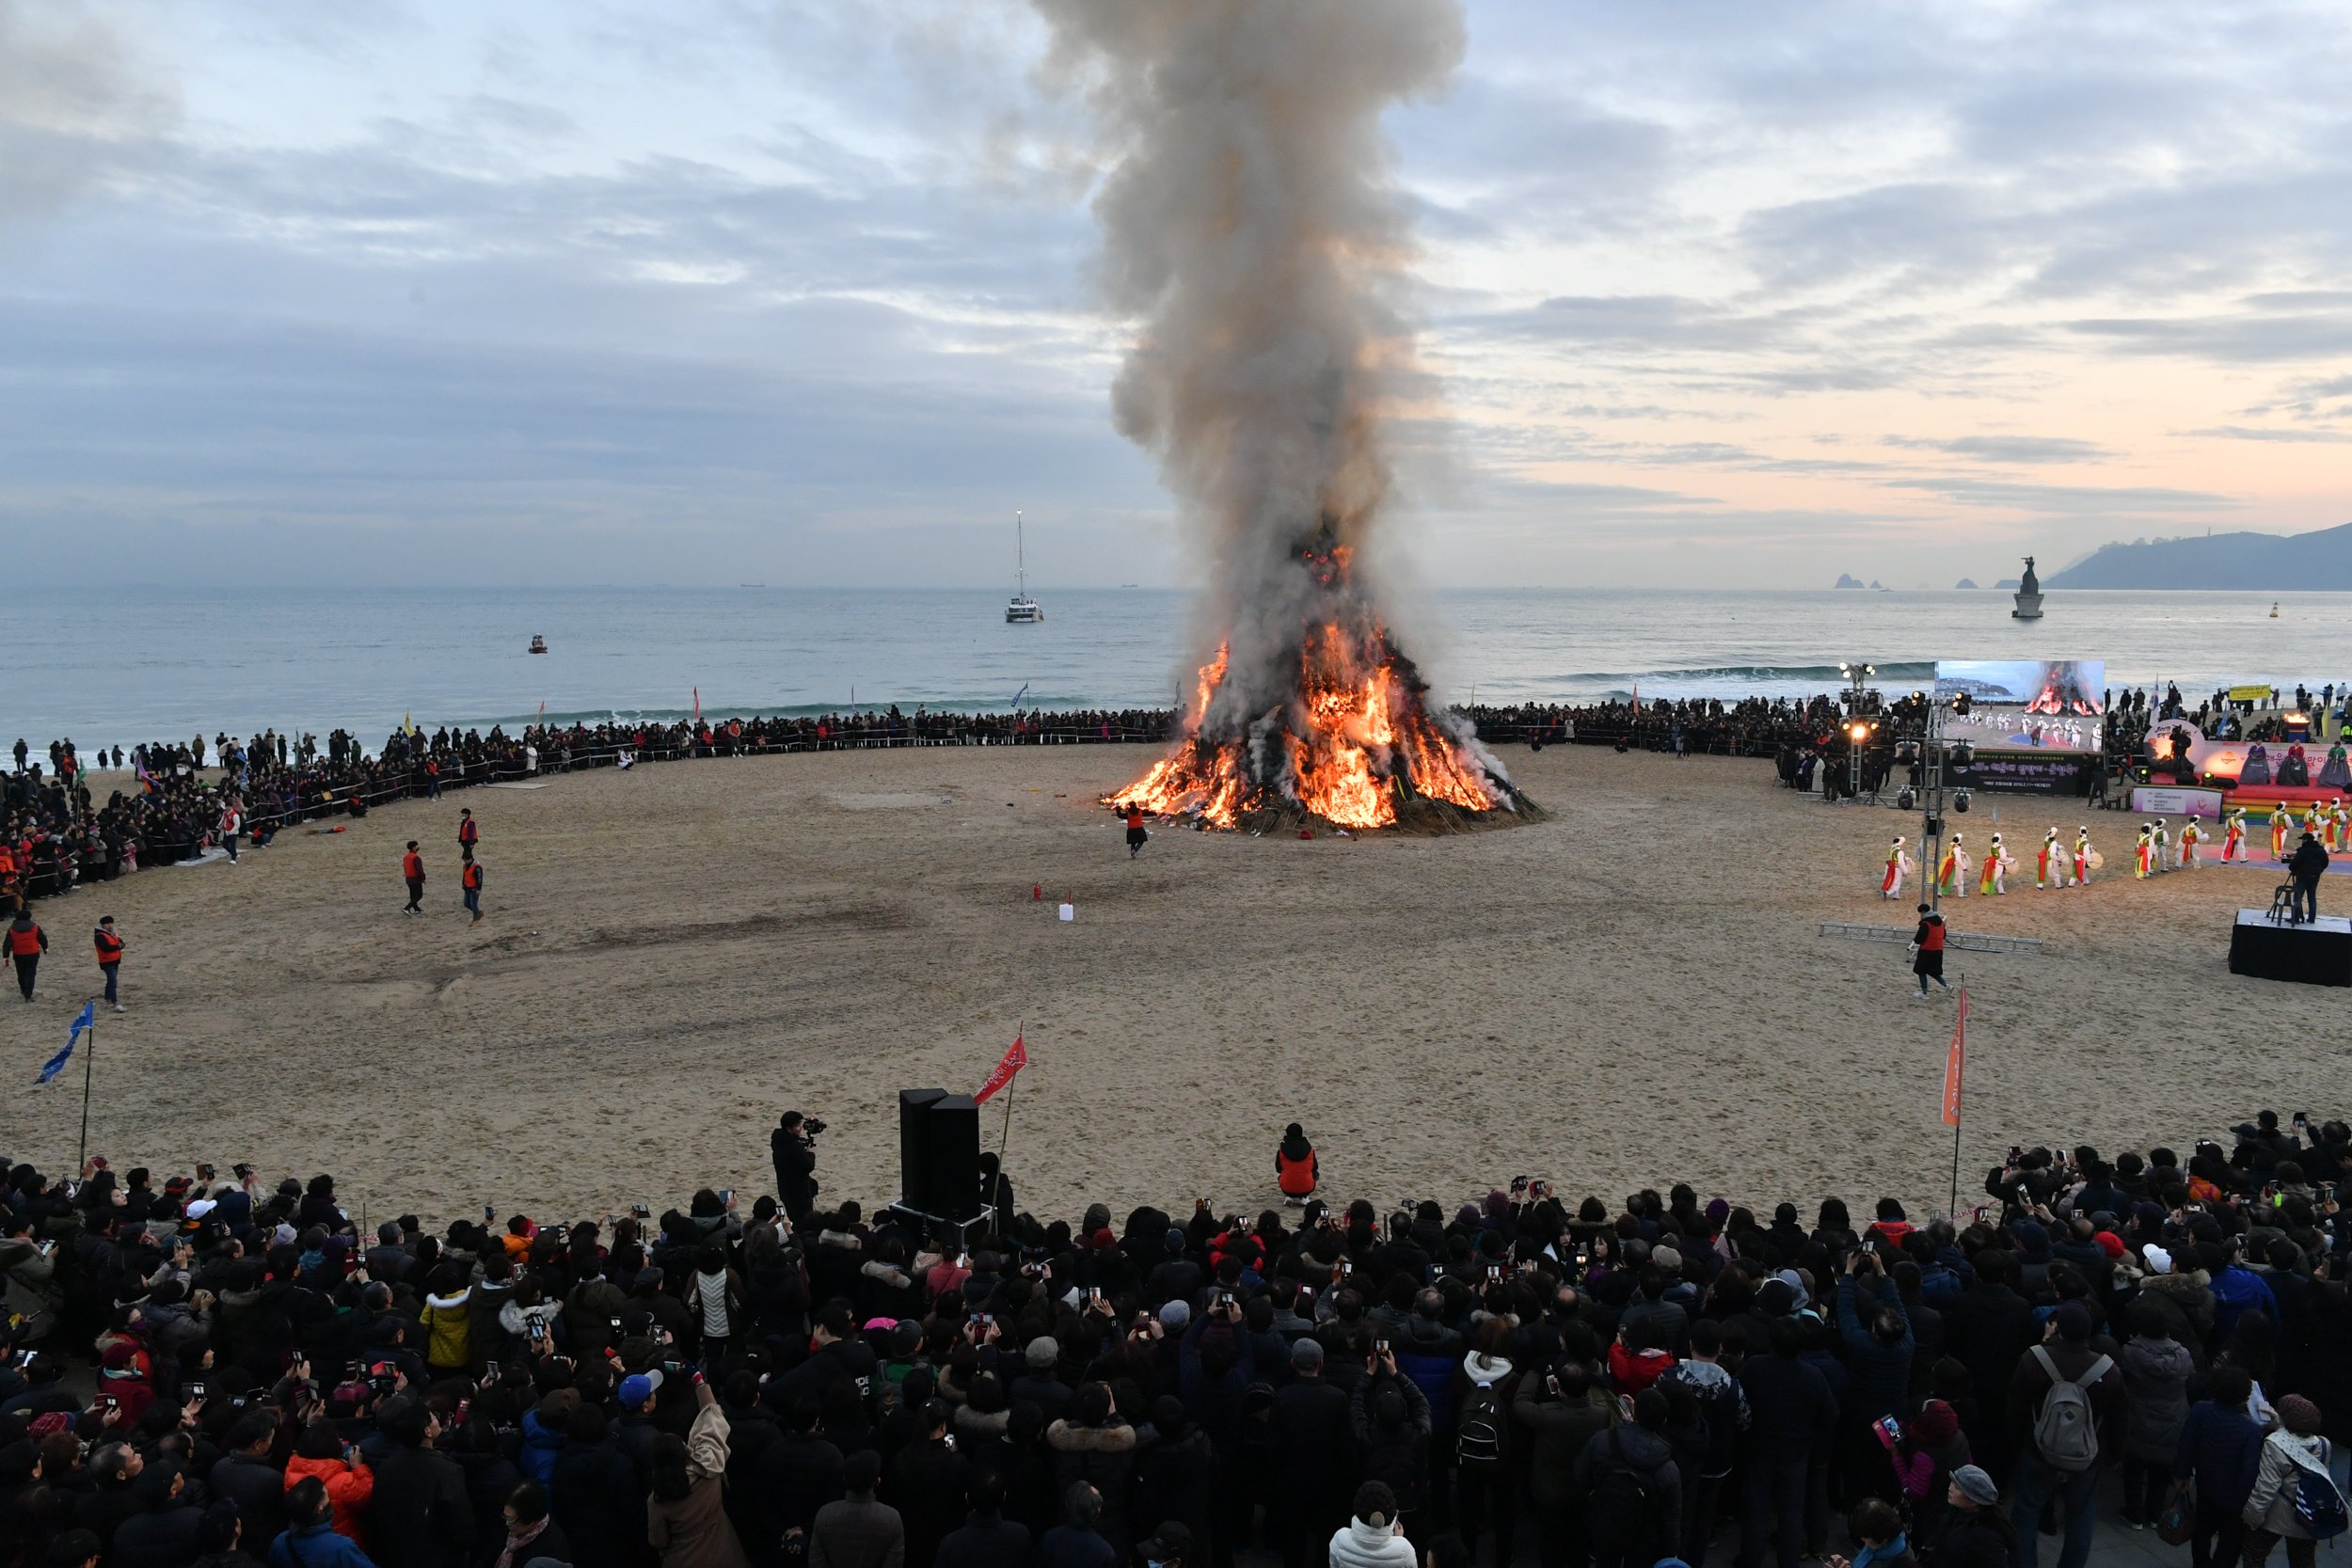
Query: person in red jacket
point(468, 832)
point(412, 868)
point(27, 942)
point(1295, 1166)
point(1927, 943)
point(109, 946)
point(469, 877)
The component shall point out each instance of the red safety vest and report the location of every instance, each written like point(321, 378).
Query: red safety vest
point(109, 947)
point(1935, 942)
point(467, 833)
point(1297, 1178)
point(25, 941)
point(412, 867)
point(1134, 817)
point(471, 876)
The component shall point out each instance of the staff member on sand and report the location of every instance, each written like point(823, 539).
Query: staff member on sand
point(412, 868)
point(27, 942)
point(1928, 942)
point(109, 948)
point(469, 877)
point(1137, 833)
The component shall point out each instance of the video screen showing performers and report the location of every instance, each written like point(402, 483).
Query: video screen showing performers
point(2026, 704)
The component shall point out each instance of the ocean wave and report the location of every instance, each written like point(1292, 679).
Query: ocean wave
point(1900, 670)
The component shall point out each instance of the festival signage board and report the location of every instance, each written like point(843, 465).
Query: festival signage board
point(2025, 705)
point(2162, 801)
point(2026, 772)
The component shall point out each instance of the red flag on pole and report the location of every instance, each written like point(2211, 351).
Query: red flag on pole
point(1015, 1059)
point(1955, 1062)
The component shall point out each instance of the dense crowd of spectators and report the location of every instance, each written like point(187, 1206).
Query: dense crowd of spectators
point(56, 834)
point(186, 797)
point(1745, 727)
point(822, 1387)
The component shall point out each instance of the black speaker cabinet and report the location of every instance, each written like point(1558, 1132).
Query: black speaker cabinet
point(950, 1183)
point(913, 1130)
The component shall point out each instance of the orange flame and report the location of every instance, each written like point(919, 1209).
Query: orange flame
point(1358, 741)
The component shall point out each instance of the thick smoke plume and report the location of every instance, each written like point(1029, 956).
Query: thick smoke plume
point(1252, 225)
point(1252, 228)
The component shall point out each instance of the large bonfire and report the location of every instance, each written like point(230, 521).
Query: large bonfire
point(1353, 745)
point(1252, 228)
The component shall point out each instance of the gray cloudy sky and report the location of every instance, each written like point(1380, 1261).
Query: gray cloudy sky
point(723, 291)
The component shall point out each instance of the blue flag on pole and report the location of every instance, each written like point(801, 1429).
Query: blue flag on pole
point(1018, 695)
point(83, 1019)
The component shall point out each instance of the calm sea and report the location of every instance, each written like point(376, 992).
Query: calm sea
point(167, 663)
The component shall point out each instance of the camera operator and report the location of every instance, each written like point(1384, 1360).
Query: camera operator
point(793, 1149)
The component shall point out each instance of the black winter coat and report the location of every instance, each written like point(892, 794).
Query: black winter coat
point(593, 1495)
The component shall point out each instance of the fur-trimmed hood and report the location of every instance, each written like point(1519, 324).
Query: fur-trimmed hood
point(1118, 1437)
point(971, 1423)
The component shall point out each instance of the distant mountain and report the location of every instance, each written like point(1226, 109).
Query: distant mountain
point(2261, 563)
point(1966, 582)
point(1845, 581)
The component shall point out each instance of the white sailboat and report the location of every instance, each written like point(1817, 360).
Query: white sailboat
point(1023, 609)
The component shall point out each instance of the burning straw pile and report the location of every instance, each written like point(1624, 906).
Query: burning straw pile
point(1250, 226)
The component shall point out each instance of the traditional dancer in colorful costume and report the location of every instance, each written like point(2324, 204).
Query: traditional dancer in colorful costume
point(2314, 821)
point(2143, 852)
point(2162, 844)
point(1997, 863)
point(2278, 830)
point(1951, 877)
point(2086, 857)
point(2234, 841)
point(2049, 862)
point(2340, 823)
point(2192, 844)
point(1898, 867)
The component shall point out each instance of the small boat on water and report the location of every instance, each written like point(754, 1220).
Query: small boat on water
point(538, 643)
point(1024, 610)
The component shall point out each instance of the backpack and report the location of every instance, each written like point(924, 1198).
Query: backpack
point(1483, 1429)
point(2318, 1506)
point(2065, 1433)
point(1621, 1497)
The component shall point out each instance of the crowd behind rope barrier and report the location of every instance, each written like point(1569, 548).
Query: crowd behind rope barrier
point(56, 833)
point(790, 1384)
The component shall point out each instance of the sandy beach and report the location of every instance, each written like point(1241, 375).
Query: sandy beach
point(1628, 993)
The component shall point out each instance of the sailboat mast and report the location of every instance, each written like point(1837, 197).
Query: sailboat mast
point(1019, 556)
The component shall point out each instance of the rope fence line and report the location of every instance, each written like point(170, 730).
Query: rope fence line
point(1973, 942)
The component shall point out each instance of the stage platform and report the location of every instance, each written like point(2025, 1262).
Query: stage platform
point(2260, 798)
point(2315, 953)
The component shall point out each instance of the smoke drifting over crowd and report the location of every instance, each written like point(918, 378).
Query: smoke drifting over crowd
point(1251, 226)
